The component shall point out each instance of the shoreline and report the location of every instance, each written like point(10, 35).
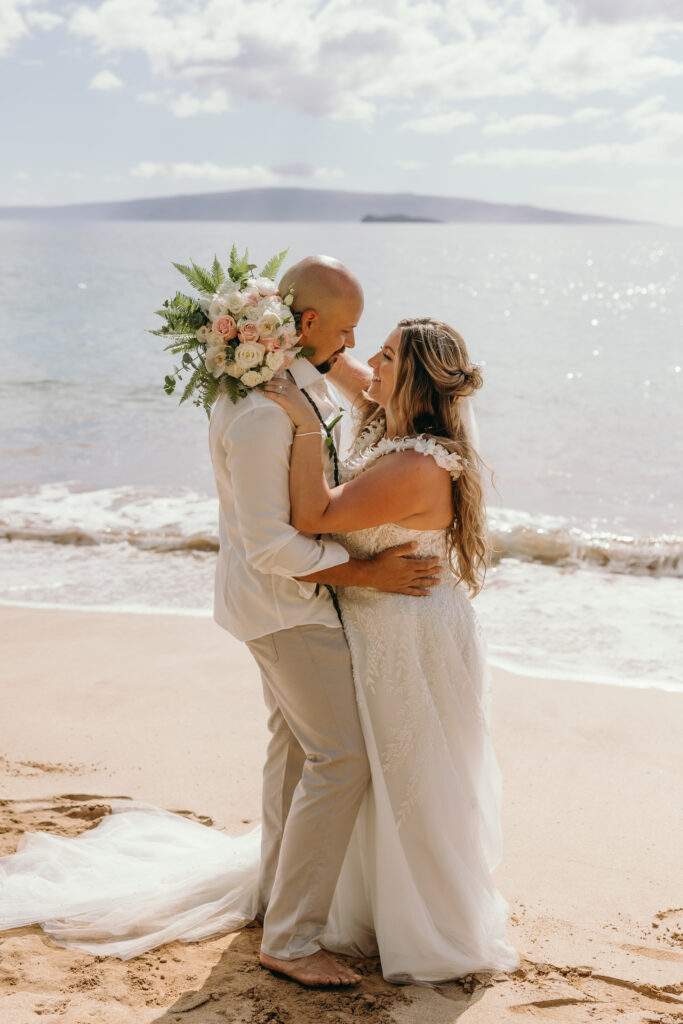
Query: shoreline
point(107, 707)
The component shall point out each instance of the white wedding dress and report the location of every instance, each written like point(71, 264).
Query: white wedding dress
point(416, 882)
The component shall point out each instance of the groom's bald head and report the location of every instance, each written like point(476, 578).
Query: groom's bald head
point(320, 283)
point(329, 299)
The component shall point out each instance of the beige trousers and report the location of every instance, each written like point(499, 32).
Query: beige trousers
point(314, 779)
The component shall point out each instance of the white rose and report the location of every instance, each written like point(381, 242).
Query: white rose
point(215, 361)
point(249, 353)
point(266, 373)
point(202, 334)
point(235, 370)
point(288, 332)
point(227, 288)
point(264, 285)
point(204, 301)
point(251, 378)
point(269, 324)
point(250, 294)
point(274, 361)
point(234, 303)
point(217, 307)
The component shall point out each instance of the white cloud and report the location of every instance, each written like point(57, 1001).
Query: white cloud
point(301, 169)
point(522, 124)
point(589, 115)
point(659, 142)
point(105, 81)
point(12, 24)
point(439, 124)
point(355, 60)
point(629, 10)
point(256, 174)
point(17, 18)
point(579, 189)
point(43, 19)
point(616, 153)
point(188, 104)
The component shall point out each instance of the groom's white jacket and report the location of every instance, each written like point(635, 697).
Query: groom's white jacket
point(260, 551)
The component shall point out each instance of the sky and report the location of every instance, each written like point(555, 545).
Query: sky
point(568, 104)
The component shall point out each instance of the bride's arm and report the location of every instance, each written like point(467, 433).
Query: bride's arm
point(397, 487)
point(349, 376)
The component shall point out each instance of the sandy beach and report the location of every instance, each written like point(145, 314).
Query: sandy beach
point(103, 708)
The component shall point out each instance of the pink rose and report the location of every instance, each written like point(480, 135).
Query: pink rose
point(271, 344)
point(249, 332)
point(226, 326)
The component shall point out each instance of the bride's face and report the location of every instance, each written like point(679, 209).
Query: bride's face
point(383, 365)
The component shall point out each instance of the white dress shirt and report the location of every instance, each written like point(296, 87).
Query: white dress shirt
point(260, 551)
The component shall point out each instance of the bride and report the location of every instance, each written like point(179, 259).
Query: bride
point(416, 881)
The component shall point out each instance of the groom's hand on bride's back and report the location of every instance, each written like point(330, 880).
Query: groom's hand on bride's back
point(395, 571)
point(398, 572)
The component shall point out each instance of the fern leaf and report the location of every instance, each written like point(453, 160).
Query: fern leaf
point(182, 301)
point(234, 389)
point(189, 274)
point(191, 384)
point(273, 265)
point(241, 268)
point(218, 273)
point(205, 279)
point(184, 343)
point(210, 394)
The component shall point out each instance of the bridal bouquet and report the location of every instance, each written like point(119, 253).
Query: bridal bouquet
point(235, 335)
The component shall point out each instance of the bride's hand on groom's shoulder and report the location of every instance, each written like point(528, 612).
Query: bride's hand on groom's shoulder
point(287, 395)
point(396, 571)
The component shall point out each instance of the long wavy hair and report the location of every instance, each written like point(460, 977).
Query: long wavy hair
point(433, 372)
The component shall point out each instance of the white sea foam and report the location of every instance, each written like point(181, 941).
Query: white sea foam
point(187, 521)
point(131, 551)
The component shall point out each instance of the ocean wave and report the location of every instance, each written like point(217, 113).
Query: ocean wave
point(551, 540)
point(184, 521)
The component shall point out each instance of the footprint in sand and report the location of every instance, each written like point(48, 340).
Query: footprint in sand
point(598, 998)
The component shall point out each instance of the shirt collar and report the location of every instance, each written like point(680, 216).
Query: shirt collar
point(305, 374)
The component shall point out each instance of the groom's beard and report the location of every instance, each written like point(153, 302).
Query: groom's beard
point(329, 363)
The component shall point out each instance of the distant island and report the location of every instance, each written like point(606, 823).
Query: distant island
point(397, 218)
point(304, 204)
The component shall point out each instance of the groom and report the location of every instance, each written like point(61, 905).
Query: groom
point(269, 593)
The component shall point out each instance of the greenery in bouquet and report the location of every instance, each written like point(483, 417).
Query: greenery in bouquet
point(234, 336)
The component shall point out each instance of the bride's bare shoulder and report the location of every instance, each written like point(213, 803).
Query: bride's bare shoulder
point(414, 466)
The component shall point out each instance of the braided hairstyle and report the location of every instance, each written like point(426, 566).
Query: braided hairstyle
point(432, 374)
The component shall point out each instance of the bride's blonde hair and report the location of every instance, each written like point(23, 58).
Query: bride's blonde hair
point(432, 373)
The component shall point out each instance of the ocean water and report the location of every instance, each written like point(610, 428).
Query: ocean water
point(106, 491)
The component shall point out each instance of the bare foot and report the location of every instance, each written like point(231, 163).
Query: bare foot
point(316, 971)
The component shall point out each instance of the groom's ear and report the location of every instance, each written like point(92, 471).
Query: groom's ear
point(309, 318)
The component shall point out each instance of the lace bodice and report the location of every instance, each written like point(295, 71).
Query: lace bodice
point(370, 447)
